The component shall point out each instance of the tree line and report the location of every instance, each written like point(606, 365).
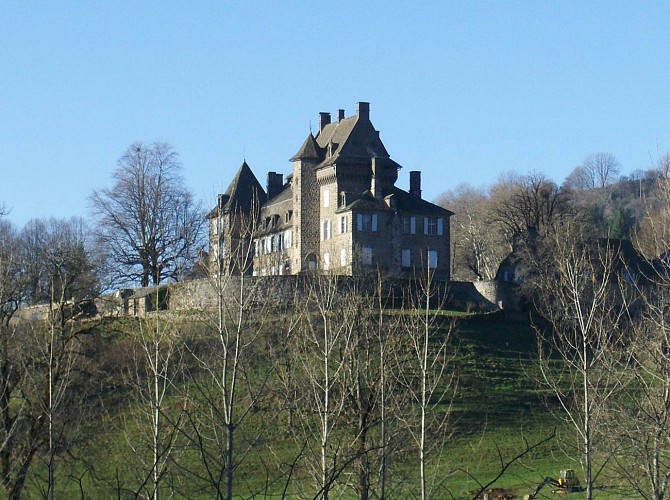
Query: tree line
point(489, 220)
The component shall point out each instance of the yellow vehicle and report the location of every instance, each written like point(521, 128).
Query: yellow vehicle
point(568, 479)
point(567, 482)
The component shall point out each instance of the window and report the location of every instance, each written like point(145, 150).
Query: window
point(433, 226)
point(432, 259)
point(343, 199)
point(326, 230)
point(343, 224)
point(411, 225)
point(326, 261)
point(366, 255)
point(288, 215)
point(343, 257)
point(406, 257)
point(288, 239)
point(366, 222)
point(326, 198)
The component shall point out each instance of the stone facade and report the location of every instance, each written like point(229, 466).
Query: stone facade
point(338, 211)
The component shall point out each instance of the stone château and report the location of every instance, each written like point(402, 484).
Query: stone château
point(338, 211)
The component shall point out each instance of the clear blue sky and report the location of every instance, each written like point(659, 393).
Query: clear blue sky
point(463, 91)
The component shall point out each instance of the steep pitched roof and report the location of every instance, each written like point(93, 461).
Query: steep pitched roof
point(353, 137)
point(244, 191)
point(309, 150)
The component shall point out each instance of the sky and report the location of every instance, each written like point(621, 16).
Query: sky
point(464, 91)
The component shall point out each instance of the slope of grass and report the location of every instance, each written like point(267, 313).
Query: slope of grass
point(498, 410)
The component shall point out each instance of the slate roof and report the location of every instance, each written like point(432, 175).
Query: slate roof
point(244, 192)
point(309, 150)
point(404, 202)
point(352, 138)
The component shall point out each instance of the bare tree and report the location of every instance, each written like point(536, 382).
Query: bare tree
point(154, 376)
point(531, 201)
point(653, 235)
point(321, 351)
point(478, 245)
point(234, 369)
point(148, 222)
point(427, 374)
point(38, 400)
point(599, 170)
point(640, 419)
point(575, 288)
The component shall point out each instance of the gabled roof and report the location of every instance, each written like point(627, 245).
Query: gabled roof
point(244, 191)
point(352, 137)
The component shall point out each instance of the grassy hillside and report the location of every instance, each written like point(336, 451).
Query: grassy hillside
point(498, 410)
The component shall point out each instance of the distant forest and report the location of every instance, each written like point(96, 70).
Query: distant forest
point(488, 220)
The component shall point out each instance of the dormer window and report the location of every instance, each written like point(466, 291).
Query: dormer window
point(287, 216)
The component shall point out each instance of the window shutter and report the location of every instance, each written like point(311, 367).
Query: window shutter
point(440, 226)
point(412, 225)
point(406, 257)
point(374, 223)
point(425, 225)
point(359, 222)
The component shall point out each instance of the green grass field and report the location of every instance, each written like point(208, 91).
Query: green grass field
point(498, 410)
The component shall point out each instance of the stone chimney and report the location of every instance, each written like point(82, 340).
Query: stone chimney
point(275, 184)
point(415, 183)
point(340, 115)
point(324, 119)
point(375, 185)
point(363, 110)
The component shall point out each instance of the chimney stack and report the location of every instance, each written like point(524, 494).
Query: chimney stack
point(415, 183)
point(275, 184)
point(324, 119)
point(375, 185)
point(363, 110)
point(340, 115)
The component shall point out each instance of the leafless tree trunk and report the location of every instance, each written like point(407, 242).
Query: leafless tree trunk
point(322, 351)
point(158, 357)
point(478, 244)
point(575, 288)
point(236, 368)
point(148, 222)
point(641, 418)
point(427, 373)
point(37, 368)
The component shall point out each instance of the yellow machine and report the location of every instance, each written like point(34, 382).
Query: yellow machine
point(568, 479)
point(567, 482)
